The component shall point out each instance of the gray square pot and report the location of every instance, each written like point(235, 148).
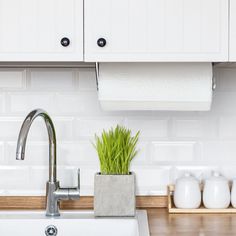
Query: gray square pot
point(114, 195)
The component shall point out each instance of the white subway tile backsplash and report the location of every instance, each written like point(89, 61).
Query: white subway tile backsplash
point(2, 153)
point(87, 80)
point(22, 192)
point(143, 155)
point(225, 79)
point(68, 176)
point(170, 144)
point(13, 79)
point(152, 179)
point(36, 153)
point(87, 179)
point(188, 128)
point(211, 128)
point(149, 127)
point(9, 128)
point(52, 79)
point(25, 102)
point(219, 152)
point(64, 128)
point(14, 177)
point(38, 176)
point(174, 152)
point(38, 131)
point(89, 127)
point(77, 153)
point(227, 127)
point(223, 103)
point(3, 103)
point(81, 103)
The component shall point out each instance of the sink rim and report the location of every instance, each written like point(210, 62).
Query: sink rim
point(74, 215)
point(64, 214)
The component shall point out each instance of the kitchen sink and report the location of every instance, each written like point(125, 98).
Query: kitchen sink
point(71, 223)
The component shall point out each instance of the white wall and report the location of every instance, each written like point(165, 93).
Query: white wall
point(170, 142)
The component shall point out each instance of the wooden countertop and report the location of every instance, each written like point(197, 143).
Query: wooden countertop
point(163, 224)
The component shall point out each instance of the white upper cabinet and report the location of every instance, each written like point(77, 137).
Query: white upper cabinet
point(32, 30)
point(156, 30)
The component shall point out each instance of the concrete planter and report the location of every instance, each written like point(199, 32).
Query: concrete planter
point(114, 195)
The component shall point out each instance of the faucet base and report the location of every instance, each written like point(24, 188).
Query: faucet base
point(55, 194)
point(52, 204)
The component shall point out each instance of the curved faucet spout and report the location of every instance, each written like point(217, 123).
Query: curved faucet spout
point(20, 151)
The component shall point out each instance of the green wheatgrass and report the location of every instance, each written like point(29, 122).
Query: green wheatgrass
point(116, 149)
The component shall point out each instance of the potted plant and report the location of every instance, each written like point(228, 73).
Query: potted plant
point(114, 185)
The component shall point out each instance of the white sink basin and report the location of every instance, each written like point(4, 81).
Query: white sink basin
point(71, 223)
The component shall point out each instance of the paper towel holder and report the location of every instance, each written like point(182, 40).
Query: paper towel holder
point(155, 86)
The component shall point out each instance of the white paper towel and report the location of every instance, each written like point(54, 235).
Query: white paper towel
point(155, 86)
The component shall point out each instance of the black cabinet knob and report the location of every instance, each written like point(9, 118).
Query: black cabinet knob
point(65, 42)
point(101, 42)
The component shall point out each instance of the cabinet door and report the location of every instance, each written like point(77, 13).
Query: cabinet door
point(156, 30)
point(32, 30)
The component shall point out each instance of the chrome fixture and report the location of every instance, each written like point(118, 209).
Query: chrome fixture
point(51, 230)
point(54, 192)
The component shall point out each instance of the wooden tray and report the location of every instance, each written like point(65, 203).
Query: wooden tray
point(201, 210)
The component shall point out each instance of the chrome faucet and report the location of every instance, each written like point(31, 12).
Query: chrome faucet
point(54, 192)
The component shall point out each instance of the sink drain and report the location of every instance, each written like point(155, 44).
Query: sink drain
point(51, 230)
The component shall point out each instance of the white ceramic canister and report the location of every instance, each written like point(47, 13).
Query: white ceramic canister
point(233, 193)
point(187, 192)
point(216, 192)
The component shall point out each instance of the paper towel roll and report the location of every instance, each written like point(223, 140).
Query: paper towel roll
point(155, 86)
